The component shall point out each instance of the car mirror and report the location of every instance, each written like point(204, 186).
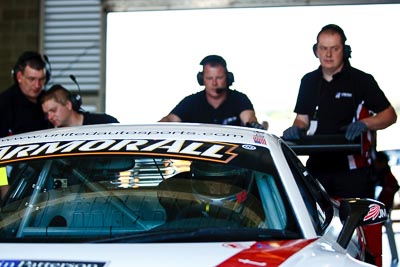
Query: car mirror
point(355, 212)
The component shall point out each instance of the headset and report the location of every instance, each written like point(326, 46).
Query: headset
point(337, 29)
point(75, 99)
point(38, 61)
point(214, 59)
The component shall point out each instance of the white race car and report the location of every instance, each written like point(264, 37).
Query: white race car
point(169, 194)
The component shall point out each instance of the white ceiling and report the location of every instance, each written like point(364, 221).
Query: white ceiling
point(136, 5)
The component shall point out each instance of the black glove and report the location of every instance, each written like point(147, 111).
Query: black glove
point(255, 124)
point(293, 133)
point(355, 129)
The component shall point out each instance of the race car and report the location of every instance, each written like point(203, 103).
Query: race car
point(167, 194)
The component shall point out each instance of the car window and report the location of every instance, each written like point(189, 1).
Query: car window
point(103, 196)
point(318, 205)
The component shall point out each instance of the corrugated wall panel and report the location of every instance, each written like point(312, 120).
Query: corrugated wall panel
point(72, 41)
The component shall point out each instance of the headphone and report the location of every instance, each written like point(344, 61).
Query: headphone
point(218, 60)
point(335, 28)
point(38, 59)
point(75, 99)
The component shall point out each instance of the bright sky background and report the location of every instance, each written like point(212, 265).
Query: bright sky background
point(153, 56)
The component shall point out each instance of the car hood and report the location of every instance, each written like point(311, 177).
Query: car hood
point(273, 253)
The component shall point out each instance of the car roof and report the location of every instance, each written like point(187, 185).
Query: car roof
point(152, 139)
point(176, 131)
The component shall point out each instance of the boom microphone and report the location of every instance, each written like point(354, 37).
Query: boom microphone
point(77, 97)
point(73, 78)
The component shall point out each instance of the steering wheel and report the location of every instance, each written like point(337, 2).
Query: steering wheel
point(215, 212)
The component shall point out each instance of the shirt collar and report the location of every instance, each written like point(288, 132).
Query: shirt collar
point(343, 71)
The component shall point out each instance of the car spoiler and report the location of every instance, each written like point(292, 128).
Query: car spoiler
point(321, 143)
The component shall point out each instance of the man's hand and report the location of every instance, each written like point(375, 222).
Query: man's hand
point(293, 133)
point(256, 125)
point(355, 129)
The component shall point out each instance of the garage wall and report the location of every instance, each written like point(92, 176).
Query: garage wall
point(19, 31)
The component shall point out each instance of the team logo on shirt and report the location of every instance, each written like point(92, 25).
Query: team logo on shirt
point(343, 95)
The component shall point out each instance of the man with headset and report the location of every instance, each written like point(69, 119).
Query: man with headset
point(339, 99)
point(217, 103)
point(19, 108)
point(64, 109)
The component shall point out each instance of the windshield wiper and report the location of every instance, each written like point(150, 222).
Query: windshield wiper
point(214, 234)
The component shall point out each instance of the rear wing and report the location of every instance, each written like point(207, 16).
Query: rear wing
point(321, 143)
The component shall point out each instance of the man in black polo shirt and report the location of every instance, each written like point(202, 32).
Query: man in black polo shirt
point(217, 103)
point(19, 108)
point(339, 99)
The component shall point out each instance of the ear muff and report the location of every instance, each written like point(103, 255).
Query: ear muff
point(218, 60)
point(314, 49)
point(29, 55)
point(200, 78)
point(346, 51)
point(76, 101)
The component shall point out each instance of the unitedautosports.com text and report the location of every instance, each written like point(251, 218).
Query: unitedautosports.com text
point(121, 133)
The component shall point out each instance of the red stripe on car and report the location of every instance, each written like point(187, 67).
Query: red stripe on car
point(271, 254)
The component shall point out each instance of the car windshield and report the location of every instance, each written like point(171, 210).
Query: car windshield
point(142, 198)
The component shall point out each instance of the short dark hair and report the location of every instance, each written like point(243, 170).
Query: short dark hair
point(333, 28)
point(58, 93)
point(214, 60)
point(31, 59)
